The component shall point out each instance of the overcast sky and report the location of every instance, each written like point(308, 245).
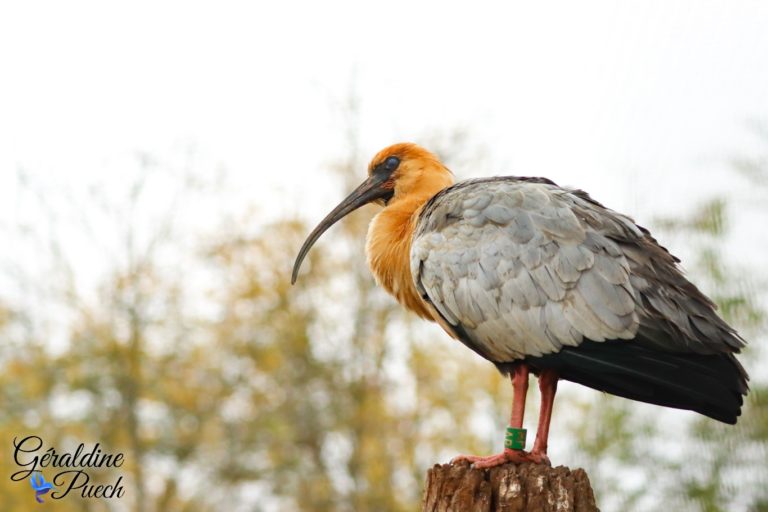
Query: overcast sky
point(637, 102)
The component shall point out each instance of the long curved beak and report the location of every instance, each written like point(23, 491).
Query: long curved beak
point(368, 191)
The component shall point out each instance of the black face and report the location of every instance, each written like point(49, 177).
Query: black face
point(383, 172)
point(379, 188)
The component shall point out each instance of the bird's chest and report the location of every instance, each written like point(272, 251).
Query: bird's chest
point(388, 252)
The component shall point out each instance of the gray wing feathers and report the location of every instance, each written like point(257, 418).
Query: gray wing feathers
point(525, 268)
point(530, 276)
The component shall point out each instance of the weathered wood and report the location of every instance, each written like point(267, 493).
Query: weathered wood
point(508, 488)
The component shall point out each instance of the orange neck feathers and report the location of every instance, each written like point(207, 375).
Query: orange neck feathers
point(419, 177)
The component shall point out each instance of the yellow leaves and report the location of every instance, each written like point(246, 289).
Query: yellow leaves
point(323, 396)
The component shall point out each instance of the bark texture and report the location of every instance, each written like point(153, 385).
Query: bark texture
point(507, 488)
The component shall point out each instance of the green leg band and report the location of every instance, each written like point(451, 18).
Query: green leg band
point(515, 438)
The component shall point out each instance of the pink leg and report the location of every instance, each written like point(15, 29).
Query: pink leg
point(519, 393)
point(548, 388)
point(520, 390)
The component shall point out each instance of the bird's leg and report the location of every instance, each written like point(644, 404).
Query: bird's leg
point(519, 393)
point(520, 390)
point(548, 388)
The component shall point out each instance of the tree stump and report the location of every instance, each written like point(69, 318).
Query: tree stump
point(507, 488)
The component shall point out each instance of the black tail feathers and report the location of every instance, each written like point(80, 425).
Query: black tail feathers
point(713, 385)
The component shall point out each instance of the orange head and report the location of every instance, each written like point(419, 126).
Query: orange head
point(398, 172)
point(409, 169)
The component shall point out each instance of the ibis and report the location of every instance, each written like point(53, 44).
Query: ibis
point(538, 278)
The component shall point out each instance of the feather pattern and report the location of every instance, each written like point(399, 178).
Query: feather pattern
point(532, 256)
point(550, 276)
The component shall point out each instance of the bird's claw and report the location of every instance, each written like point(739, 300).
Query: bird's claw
point(514, 456)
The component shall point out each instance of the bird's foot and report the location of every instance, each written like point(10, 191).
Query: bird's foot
point(514, 456)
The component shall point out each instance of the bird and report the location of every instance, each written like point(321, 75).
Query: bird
point(542, 279)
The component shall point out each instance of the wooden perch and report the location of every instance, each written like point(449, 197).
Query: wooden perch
point(508, 488)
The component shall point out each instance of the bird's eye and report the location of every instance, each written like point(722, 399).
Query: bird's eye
point(391, 163)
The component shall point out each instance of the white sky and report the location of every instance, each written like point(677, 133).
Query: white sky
point(638, 103)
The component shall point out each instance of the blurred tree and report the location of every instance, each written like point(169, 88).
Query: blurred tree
point(676, 460)
point(222, 384)
point(725, 467)
point(128, 374)
point(219, 381)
